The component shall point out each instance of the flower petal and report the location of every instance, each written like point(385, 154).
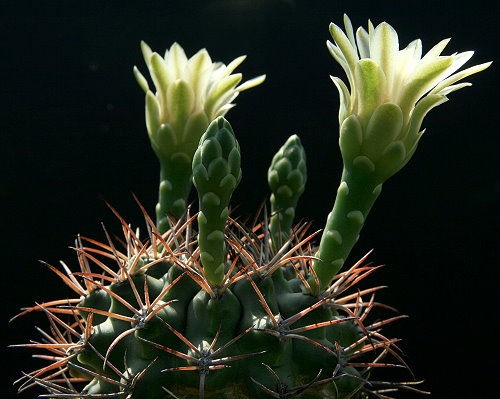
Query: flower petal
point(349, 31)
point(344, 45)
point(459, 76)
point(425, 76)
point(146, 52)
point(139, 77)
point(219, 92)
point(345, 98)
point(452, 88)
point(180, 103)
point(160, 74)
point(152, 115)
point(384, 48)
point(176, 61)
point(370, 87)
point(437, 49)
point(251, 83)
point(339, 57)
point(458, 60)
point(421, 109)
point(198, 74)
point(406, 61)
point(363, 41)
point(234, 64)
point(224, 109)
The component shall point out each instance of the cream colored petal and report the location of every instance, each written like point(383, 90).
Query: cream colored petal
point(220, 90)
point(339, 57)
point(425, 76)
point(222, 102)
point(406, 60)
point(363, 41)
point(223, 110)
point(152, 115)
point(345, 98)
point(384, 48)
point(450, 89)
point(349, 31)
point(459, 76)
point(234, 64)
point(344, 45)
point(177, 61)
point(251, 83)
point(436, 50)
point(146, 52)
point(160, 74)
point(370, 28)
point(198, 75)
point(414, 52)
point(218, 71)
point(458, 61)
point(143, 83)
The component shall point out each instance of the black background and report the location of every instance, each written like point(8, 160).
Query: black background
point(73, 136)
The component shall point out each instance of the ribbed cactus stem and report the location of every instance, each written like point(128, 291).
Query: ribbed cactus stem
point(287, 177)
point(216, 173)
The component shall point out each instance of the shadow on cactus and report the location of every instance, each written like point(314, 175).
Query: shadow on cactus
point(208, 306)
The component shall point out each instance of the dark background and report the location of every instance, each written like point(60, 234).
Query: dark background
point(73, 136)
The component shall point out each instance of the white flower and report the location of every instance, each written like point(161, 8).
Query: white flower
point(189, 94)
point(391, 91)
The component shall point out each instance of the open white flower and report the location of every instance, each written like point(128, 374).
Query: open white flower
point(391, 91)
point(189, 94)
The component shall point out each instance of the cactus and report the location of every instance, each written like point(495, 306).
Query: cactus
point(211, 307)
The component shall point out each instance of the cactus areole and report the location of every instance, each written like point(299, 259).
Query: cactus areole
point(206, 306)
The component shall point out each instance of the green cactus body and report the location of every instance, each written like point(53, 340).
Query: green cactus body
point(253, 336)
